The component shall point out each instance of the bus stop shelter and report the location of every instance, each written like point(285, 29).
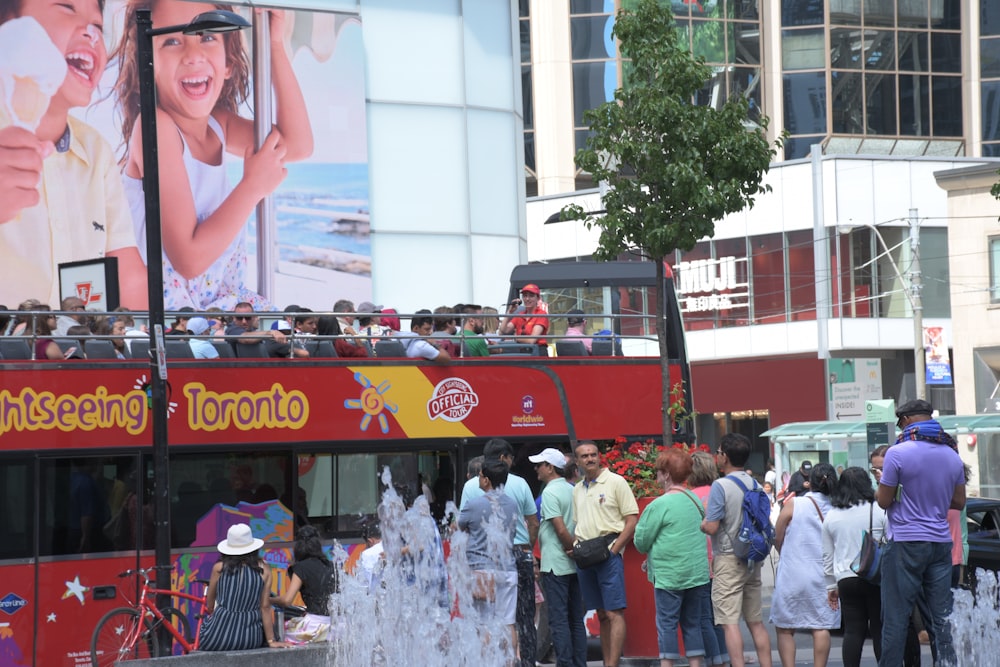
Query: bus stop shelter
point(845, 443)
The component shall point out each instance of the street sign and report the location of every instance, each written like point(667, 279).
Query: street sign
point(880, 423)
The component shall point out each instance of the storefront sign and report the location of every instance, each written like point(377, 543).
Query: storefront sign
point(711, 284)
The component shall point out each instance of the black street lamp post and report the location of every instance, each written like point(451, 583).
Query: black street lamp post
point(213, 21)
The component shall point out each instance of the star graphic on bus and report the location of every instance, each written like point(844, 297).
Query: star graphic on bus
point(372, 402)
point(75, 589)
point(142, 384)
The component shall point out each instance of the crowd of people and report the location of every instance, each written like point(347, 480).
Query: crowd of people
point(446, 333)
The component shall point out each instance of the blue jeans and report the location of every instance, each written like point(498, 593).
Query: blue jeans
point(679, 607)
point(712, 635)
point(569, 638)
point(911, 570)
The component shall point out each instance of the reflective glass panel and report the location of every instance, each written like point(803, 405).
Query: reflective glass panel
point(709, 40)
point(523, 8)
point(879, 12)
point(946, 52)
point(747, 43)
point(989, 18)
point(525, 41)
point(799, 147)
point(947, 94)
point(746, 81)
point(590, 6)
point(527, 108)
point(801, 275)
point(738, 293)
point(913, 13)
point(803, 49)
point(991, 150)
point(880, 49)
point(848, 106)
point(914, 54)
point(591, 37)
point(593, 85)
point(845, 48)
point(880, 96)
point(914, 105)
point(994, 270)
point(805, 103)
point(989, 58)
point(768, 275)
point(845, 12)
point(529, 150)
point(936, 291)
point(801, 12)
point(991, 110)
point(947, 14)
point(741, 9)
point(17, 493)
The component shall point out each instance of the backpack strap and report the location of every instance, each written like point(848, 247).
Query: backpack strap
point(739, 483)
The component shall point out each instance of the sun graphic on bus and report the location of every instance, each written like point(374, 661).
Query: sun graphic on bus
point(142, 384)
point(372, 402)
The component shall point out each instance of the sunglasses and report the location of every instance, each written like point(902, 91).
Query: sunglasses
point(239, 318)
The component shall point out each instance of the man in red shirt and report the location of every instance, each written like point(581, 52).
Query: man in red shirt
point(522, 321)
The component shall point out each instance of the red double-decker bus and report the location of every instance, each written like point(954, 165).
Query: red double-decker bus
point(272, 443)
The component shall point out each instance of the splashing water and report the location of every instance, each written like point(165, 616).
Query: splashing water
point(418, 608)
point(975, 621)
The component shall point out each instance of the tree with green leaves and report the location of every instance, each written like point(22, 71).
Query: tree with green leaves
point(672, 168)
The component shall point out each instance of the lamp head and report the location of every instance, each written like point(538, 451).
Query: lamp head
point(217, 20)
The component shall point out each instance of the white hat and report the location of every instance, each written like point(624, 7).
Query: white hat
point(552, 456)
point(239, 540)
point(284, 325)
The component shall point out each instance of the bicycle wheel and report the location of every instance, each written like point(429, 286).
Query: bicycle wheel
point(122, 634)
point(173, 616)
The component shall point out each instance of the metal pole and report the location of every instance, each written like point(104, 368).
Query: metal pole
point(916, 284)
point(821, 257)
point(154, 275)
point(263, 123)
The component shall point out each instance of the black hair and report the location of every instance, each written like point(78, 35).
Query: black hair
point(306, 314)
point(231, 563)
point(496, 471)
point(371, 530)
point(420, 318)
point(327, 325)
point(879, 451)
point(823, 479)
point(497, 447)
point(736, 447)
point(853, 488)
point(308, 545)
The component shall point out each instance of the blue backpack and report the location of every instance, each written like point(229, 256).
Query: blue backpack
point(756, 534)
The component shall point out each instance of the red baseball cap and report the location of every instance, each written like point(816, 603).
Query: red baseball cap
point(531, 287)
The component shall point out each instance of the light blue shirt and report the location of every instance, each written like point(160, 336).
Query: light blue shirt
point(517, 489)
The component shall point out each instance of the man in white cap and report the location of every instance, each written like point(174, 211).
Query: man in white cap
point(201, 348)
point(558, 571)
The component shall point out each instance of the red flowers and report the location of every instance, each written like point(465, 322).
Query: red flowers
point(636, 462)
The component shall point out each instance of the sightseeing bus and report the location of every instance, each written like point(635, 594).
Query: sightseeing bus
point(275, 443)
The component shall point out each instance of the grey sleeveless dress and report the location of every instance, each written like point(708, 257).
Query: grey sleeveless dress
point(235, 623)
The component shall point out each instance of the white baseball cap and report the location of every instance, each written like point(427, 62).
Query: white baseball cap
point(550, 455)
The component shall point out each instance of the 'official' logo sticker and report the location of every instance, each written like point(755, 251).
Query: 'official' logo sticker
point(452, 400)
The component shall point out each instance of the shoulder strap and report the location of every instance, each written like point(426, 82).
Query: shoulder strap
point(818, 510)
point(743, 487)
point(871, 516)
point(696, 501)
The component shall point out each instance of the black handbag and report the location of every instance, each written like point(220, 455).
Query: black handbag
point(868, 564)
point(590, 553)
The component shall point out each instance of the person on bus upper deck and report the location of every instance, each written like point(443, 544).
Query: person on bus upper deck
point(79, 316)
point(201, 348)
point(370, 329)
point(473, 342)
point(577, 325)
point(243, 330)
point(520, 319)
point(293, 348)
point(445, 329)
point(415, 340)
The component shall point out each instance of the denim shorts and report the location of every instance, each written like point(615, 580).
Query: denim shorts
point(603, 586)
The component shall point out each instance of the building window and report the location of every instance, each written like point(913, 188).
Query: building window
point(995, 270)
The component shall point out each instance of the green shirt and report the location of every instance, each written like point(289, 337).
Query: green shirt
point(473, 345)
point(669, 531)
point(557, 500)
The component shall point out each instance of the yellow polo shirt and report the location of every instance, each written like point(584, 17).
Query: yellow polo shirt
point(82, 215)
point(600, 507)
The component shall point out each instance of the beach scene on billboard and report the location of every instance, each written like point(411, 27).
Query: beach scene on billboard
point(262, 146)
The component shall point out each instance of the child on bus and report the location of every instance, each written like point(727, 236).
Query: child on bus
point(201, 80)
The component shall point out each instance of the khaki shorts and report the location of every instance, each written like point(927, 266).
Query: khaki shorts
point(735, 590)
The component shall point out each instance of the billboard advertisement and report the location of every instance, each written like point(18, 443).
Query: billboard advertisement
point(261, 135)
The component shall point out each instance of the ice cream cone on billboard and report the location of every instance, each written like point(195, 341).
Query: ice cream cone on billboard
point(31, 71)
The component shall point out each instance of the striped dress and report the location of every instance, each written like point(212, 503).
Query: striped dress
point(235, 623)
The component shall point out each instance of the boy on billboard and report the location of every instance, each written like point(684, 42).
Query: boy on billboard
point(61, 196)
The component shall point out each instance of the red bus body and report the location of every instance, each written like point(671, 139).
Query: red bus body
point(49, 604)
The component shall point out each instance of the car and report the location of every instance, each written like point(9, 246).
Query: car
point(984, 539)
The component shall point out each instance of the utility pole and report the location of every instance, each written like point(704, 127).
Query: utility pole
point(916, 285)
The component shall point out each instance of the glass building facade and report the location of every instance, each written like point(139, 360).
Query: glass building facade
point(858, 76)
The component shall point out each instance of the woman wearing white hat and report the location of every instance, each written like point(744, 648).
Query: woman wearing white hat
point(238, 595)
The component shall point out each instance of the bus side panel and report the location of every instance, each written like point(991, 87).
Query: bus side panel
point(17, 614)
point(68, 610)
point(615, 399)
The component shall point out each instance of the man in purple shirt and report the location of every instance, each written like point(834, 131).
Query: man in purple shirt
point(922, 478)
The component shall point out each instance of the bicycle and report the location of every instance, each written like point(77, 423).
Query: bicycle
point(130, 633)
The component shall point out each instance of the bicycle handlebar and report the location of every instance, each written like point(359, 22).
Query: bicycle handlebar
point(144, 572)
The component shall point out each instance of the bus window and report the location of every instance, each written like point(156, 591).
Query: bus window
point(200, 482)
point(17, 493)
point(78, 498)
